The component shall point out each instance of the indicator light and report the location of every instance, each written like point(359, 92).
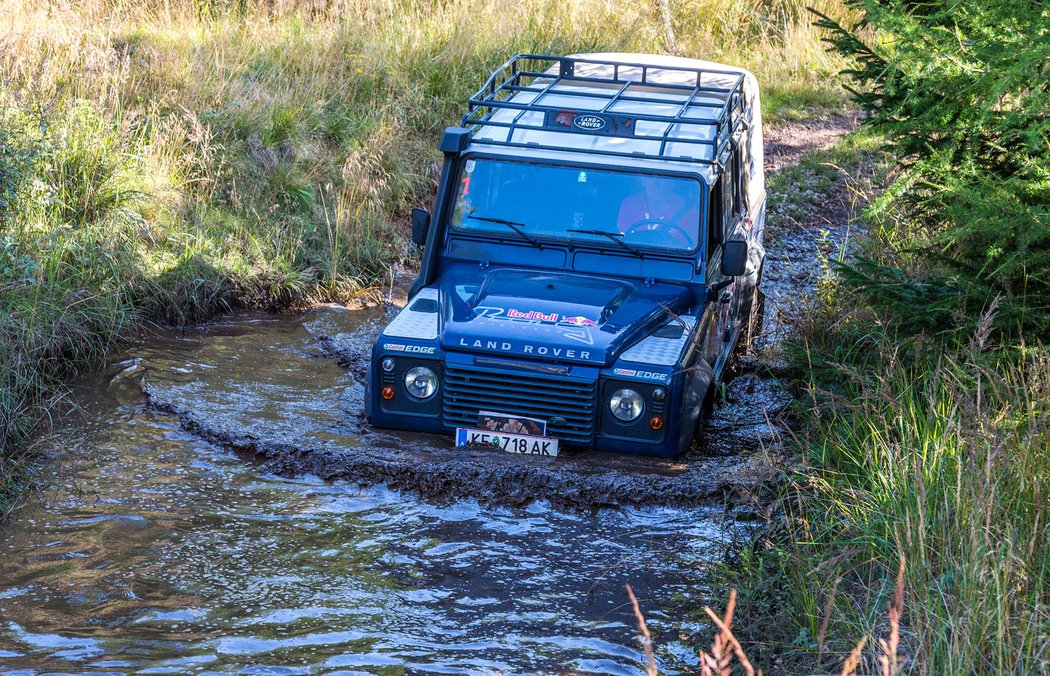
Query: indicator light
point(387, 364)
point(656, 422)
point(388, 392)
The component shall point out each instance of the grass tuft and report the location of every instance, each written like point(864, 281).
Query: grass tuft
point(940, 457)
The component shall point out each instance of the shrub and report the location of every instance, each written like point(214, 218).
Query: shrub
point(961, 91)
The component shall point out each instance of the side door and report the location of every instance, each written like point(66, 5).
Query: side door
point(725, 217)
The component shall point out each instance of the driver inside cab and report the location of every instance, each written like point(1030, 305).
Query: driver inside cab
point(659, 215)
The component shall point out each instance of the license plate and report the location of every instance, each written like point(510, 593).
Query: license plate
point(512, 443)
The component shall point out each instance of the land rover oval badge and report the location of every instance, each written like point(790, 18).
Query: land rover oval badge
point(589, 122)
point(556, 421)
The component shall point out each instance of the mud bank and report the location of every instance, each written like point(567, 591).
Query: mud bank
point(270, 388)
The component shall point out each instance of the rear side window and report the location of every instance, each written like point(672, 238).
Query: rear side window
point(731, 192)
point(714, 218)
point(728, 198)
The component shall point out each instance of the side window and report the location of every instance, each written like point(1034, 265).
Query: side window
point(744, 162)
point(714, 217)
point(729, 197)
point(738, 182)
point(731, 183)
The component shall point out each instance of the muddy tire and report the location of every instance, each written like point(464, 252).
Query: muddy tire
point(751, 330)
point(707, 408)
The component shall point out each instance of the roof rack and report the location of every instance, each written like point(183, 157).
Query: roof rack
point(668, 112)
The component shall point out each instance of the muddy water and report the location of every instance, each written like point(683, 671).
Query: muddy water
point(217, 505)
point(158, 547)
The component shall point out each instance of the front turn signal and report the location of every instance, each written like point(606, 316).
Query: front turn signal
point(656, 422)
point(388, 393)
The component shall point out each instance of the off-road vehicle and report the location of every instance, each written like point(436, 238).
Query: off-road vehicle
point(593, 258)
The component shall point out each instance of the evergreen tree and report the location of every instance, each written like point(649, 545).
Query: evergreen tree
point(961, 91)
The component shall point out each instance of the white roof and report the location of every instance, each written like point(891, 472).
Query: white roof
point(689, 95)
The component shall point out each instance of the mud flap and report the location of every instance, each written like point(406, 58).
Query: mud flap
point(751, 327)
point(696, 398)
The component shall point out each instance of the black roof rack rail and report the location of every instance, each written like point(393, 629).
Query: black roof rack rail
point(539, 75)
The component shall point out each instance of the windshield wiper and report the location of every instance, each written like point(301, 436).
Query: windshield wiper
point(614, 236)
point(513, 225)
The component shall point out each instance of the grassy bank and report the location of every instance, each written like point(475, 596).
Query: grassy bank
point(923, 374)
point(938, 455)
point(168, 160)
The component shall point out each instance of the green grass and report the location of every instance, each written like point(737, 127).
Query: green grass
point(945, 461)
point(907, 445)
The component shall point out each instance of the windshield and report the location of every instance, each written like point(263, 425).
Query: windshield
point(616, 208)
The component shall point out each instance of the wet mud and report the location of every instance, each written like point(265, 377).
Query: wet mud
point(288, 391)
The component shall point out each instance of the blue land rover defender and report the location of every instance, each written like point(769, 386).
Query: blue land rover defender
point(592, 260)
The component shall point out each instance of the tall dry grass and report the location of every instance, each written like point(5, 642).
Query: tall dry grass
point(726, 653)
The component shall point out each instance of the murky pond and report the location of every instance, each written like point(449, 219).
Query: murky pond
point(156, 547)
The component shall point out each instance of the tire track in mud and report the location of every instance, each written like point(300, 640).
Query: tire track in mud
point(733, 460)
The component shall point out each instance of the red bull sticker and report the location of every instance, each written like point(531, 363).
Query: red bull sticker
point(540, 316)
point(533, 315)
point(577, 321)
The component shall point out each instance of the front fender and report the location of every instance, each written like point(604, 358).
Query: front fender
point(696, 389)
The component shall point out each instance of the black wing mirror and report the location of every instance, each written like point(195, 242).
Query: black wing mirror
point(734, 257)
point(420, 226)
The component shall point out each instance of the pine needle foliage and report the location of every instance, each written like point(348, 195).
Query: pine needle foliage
point(961, 92)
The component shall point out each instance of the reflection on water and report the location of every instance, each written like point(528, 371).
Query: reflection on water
point(153, 551)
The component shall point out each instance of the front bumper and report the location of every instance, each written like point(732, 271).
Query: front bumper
point(572, 400)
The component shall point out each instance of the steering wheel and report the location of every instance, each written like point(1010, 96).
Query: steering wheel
point(657, 225)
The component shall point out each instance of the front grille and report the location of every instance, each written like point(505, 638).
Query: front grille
point(469, 390)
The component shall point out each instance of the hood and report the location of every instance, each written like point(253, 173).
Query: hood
point(557, 316)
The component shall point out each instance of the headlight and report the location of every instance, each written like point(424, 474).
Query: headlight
point(626, 404)
point(421, 382)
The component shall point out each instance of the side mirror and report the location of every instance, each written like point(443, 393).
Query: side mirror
point(734, 257)
point(420, 226)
